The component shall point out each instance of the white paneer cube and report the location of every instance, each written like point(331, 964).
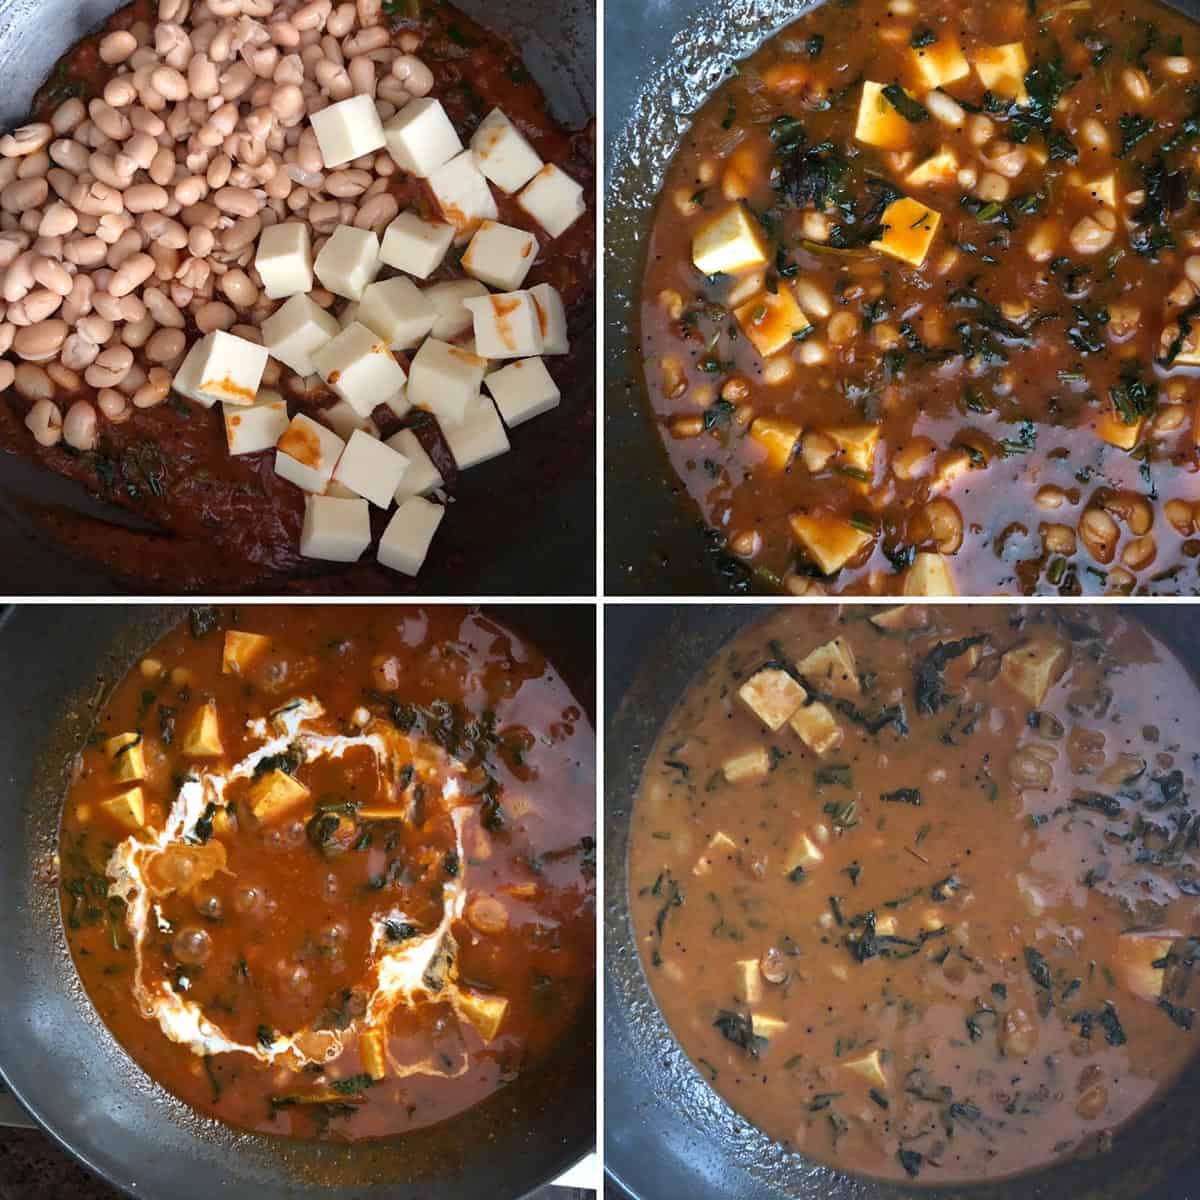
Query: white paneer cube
point(506, 325)
point(370, 468)
point(553, 199)
point(500, 255)
point(358, 365)
point(463, 194)
point(450, 314)
point(232, 369)
point(187, 378)
point(421, 138)
point(257, 427)
point(478, 437)
point(552, 318)
point(348, 261)
point(298, 329)
point(730, 242)
point(523, 390)
point(405, 541)
point(421, 476)
point(306, 453)
point(335, 529)
point(444, 380)
point(344, 420)
point(415, 246)
point(348, 130)
point(396, 310)
point(284, 260)
point(504, 154)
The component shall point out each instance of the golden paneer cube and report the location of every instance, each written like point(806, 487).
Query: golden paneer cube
point(731, 242)
point(374, 1060)
point(753, 764)
point(777, 438)
point(941, 168)
point(242, 650)
point(941, 63)
point(128, 809)
point(1135, 958)
point(127, 754)
point(275, 794)
point(749, 981)
point(814, 725)
point(1033, 667)
point(857, 444)
point(1110, 427)
point(202, 738)
point(719, 846)
point(1189, 353)
point(772, 695)
point(879, 124)
point(770, 319)
point(868, 1067)
point(909, 228)
point(767, 1027)
point(1103, 190)
point(1002, 70)
point(893, 619)
point(484, 1012)
point(802, 853)
point(830, 541)
point(831, 668)
point(929, 575)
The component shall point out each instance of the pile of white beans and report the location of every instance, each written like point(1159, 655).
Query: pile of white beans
point(125, 214)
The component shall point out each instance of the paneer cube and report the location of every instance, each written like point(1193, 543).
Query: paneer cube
point(940, 168)
point(348, 261)
point(128, 809)
point(415, 246)
point(371, 469)
point(831, 668)
point(1111, 427)
point(421, 476)
point(765, 1026)
point(772, 695)
point(479, 437)
point(778, 438)
point(444, 380)
point(720, 845)
point(462, 193)
point(276, 794)
point(405, 541)
point(284, 260)
point(500, 255)
point(893, 619)
point(1103, 190)
point(127, 755)
point(552, 318)
point(730, 242)
point(941, 63)
point(909, 229)
point(803, 854)
point(749, 987)
point(1033, 667)
point(1002, 70)
point(307, 453)
point(358, 365)
point(814, 725)
point(371, 1051)
point(868, 1067)
point(752, 764)
point(336, 528)
point(294, 332)
point(929, 575)
point(202, 737)
point(344, 421)
point(231, 370)
point(857, 444)
point(1135, 957)
point(187, 379)
point(523, 390)
point(504, 153)
point(397, 311)
point(771, 320)
point(506, 325)
point(421, 137)
point(242, 650)
point(483, 1011)
point(258, 427)
point(347, 130)
point(450, 313)
point(553, 199)
point(879, 123)
point(830, 541)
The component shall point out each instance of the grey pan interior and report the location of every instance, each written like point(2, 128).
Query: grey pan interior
point(60, 1060)
point(667, 1133)
point(542, 495)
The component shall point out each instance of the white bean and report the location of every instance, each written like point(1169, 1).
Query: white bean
point(79, 426)
point(44, 420)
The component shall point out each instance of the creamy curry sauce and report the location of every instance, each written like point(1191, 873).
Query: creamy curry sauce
point(942, 923)
point(329, 872)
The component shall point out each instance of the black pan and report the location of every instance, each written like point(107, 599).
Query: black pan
point(528, 519)
point(667, 1133)
point(59, 1059)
